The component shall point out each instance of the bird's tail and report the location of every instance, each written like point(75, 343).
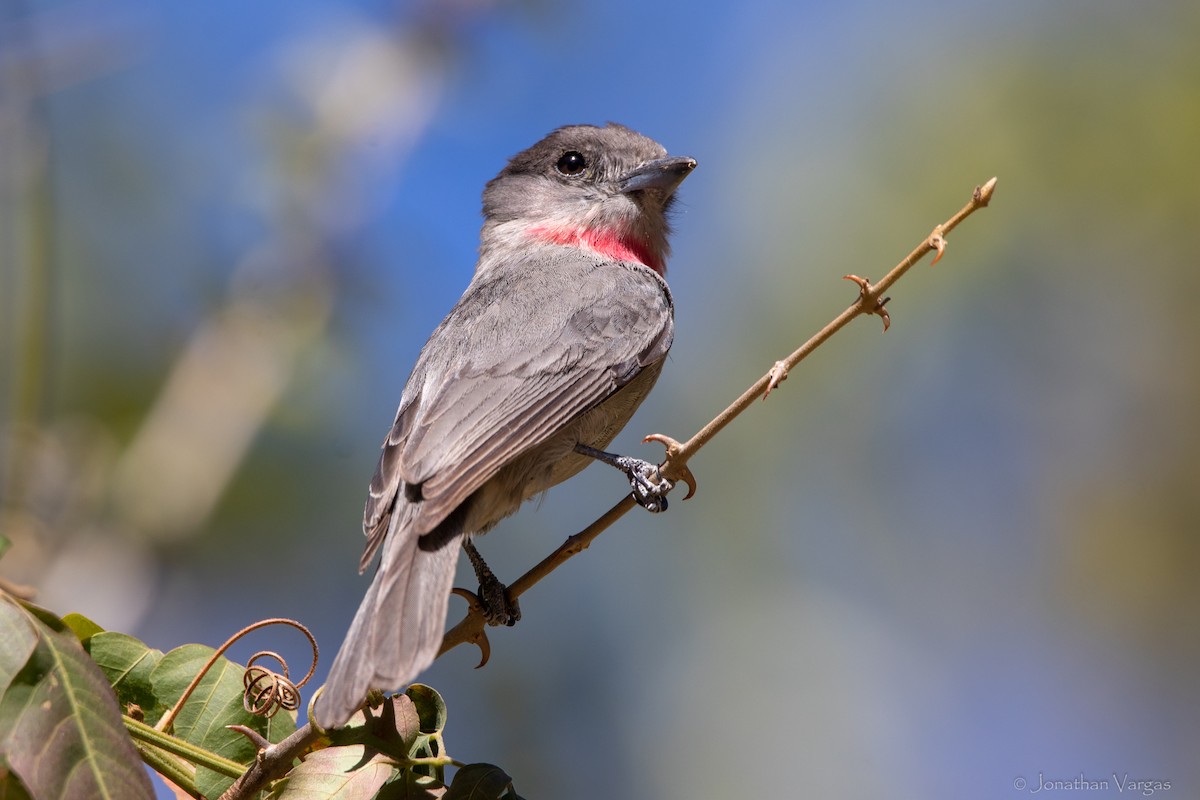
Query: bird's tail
point(398, 629)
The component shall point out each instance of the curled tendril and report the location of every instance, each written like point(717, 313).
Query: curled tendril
point(266, 691)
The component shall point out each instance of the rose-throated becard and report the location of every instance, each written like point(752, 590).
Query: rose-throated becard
point(556, 341)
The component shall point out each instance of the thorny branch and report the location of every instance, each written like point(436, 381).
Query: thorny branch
point(273, 762)
point(277, 759)
point(870, 301)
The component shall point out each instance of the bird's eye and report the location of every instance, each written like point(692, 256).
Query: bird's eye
point(571, 163)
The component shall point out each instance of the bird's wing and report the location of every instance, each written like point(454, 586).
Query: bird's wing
point(522, 354)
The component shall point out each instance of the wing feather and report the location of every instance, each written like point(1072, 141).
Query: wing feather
point(523, 353)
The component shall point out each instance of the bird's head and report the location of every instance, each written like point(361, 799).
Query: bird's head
point(607, 189)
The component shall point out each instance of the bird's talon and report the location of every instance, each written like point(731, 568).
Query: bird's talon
point(494, 603)
point(499, 608)
point(649, 486)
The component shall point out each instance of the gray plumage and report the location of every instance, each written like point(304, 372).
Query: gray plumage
point(559, 336)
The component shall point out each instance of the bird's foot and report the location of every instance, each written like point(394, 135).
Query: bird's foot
point(499, 607)
point(650, 488)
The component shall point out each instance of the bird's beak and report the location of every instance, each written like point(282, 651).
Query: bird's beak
point(663, 175)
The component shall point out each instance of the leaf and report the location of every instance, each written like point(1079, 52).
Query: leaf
point(480, 782)
point(18, 639)
point(81, 626)
point(393, 729)
point(215, 703)
point(431, 708)
point(352, 772)
point(11, 787)
point(128, 664)
point(60, 728)
point(411, 786)
point(407, 723)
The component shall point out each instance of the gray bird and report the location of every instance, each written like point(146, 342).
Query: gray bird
point(556, 341)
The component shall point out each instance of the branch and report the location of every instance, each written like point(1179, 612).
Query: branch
point(277, 759)
point(272, 762)
point(870, 301)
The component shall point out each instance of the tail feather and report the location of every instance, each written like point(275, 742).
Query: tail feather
point(397, 630)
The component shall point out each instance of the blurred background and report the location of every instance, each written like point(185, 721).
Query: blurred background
point(937, 563)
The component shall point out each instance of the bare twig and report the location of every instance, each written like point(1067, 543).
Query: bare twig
point(870, 301)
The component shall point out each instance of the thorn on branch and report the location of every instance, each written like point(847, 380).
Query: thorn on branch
point(272, 761)
point(869, 301)
point(778, 373)
point(478, 635)
point(257, 739)
point(675, 468)
point(937, 242)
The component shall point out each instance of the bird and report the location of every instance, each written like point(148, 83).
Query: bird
point(557, 339)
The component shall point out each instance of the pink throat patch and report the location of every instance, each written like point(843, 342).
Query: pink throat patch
point(607, 243)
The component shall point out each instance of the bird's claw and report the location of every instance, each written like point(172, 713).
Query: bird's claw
point(497, 605)
point(649, 486)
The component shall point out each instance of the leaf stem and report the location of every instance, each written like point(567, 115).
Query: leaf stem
point(170, 767)
point(142, 732)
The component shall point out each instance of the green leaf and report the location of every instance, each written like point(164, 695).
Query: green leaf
point(60, 728)
point(411, 786)
point(18, 640)
point(480, 782)
point(393, 728)
point(215, 703)
point(11, 787)
point(82, 627)
point(128, 664)
point(430, 707)
point(353, 772)
point(405, 723)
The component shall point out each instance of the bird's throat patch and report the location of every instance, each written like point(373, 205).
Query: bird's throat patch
point(608, 243)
